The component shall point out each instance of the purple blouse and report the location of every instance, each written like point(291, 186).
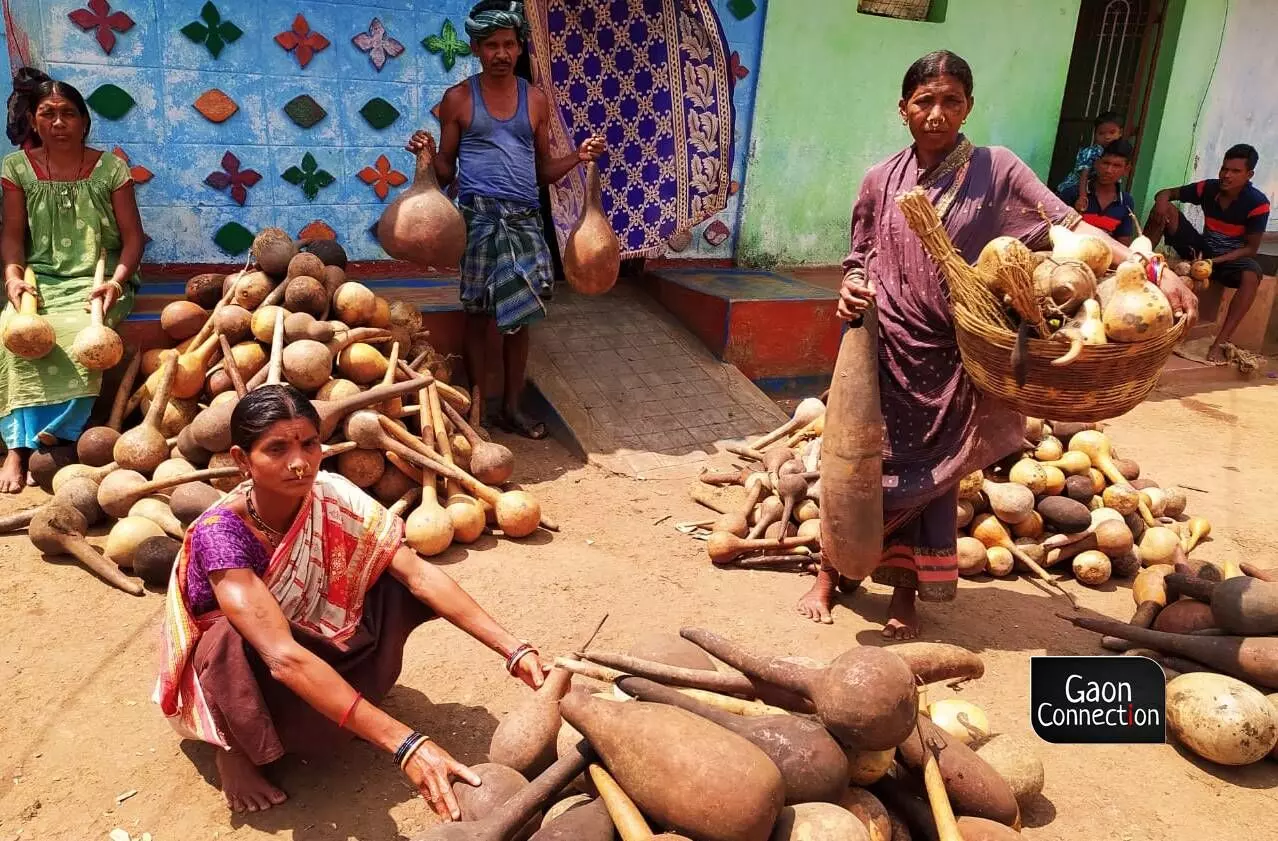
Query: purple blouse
point(219, 540)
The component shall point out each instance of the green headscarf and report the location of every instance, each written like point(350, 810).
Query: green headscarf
point(479, 25)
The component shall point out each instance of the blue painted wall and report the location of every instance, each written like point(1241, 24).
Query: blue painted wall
point(164, 72)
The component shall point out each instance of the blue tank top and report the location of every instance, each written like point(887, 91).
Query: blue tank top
point(496, 158)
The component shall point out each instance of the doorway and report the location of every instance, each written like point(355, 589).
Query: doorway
point(1116, 47)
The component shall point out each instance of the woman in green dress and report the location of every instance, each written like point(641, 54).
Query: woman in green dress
point(63, 204)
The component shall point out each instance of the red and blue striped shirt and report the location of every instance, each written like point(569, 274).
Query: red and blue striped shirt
point(1226, 228)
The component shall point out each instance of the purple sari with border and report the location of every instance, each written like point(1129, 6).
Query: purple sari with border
point(939, 427)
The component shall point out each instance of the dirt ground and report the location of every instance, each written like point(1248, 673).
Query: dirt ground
point(79, 733)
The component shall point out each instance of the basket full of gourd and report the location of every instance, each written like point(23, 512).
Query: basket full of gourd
point(1055, 332)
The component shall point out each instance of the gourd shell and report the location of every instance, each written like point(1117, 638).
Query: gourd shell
point(1220, 718)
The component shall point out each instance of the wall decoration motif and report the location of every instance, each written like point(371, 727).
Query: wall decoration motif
point(318, 229)
point(137, 172)
point(233, 238)
point(301, 41)
point(233, 178)
point(304, 111)
point(378, 43)
point(447, 45)
point(215, 106)
point(212, 31)
point(308, 176)
point(742, 9)
point(98, 17)
point(111, 101)
point(381, 176)
point(199, 79)
point(379, 113)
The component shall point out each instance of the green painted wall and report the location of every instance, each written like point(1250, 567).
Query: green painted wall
point(827, 107)
point(1186, 58)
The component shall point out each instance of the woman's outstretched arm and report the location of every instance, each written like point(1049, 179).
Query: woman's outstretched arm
point(433, 588)
point(255, 614)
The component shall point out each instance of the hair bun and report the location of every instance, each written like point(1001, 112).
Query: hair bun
point(27, 78)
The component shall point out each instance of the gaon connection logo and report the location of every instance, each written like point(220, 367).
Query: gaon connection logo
point(1098, 700)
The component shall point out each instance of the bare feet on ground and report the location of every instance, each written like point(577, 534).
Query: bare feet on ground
point(12, 475)
point(903, 619)
point(1216, 354)
point(245, 788)
point(816, 603)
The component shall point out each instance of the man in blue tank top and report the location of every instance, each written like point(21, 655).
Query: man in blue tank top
point(495, 143)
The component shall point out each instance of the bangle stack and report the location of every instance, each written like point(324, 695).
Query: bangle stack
point(518, 654)
point(409, 746)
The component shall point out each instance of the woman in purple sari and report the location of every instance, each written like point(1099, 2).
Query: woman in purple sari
point(938, 426)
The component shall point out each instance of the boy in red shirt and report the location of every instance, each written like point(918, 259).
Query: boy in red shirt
point(1235, 216)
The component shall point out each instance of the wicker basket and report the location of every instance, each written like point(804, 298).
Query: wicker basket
point(1105, 381)
point(903, 9)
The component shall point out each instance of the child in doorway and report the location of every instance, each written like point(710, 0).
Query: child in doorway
point(1108, 127)
point(1101, 199)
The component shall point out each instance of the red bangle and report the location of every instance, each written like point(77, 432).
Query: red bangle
point(345, 716)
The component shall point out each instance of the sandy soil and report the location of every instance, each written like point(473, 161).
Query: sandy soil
point(79, 732)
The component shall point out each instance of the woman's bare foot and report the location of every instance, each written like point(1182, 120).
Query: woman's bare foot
point(1216, 355)
point(13, 474)
point(816, 603)
point(903, 619)
point(245, 788)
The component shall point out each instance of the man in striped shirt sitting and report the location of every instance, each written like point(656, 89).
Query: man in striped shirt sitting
point(1235, 216)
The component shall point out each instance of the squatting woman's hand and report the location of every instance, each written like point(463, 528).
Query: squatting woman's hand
point(432, 770)
point(855, 295)
point(530, 670)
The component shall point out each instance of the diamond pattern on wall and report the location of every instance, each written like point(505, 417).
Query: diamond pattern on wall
point(304, 111)
point(231, 177)
point(378, 43)
point(233, 238)
point(447, 45)
point(308, 176)
point(138, 173)
point(301, 41)
point(742, 9)
point(379, 113)
point(215, 106)
point(97, 16)
point(382, 176)
point(317, 229)
point(211, 31)
point(111, 101)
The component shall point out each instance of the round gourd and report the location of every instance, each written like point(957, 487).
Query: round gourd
point(1064, 515)
point(272, 250)
point(1220, 718)
point(999, 561)
point(180, 320)
point(1092, 568)
point(867, 809)
point(1015, 760)
point(306, 294)
point(305, 264)
point(329, 251)
point(251, 290)
point(963, 720)
point(205, 290)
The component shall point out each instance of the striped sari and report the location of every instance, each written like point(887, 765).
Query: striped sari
point(339, 544)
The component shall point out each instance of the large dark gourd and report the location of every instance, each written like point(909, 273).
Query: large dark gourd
point(683, 771)
point(422, 226)
point(865, 696)
point(813, 766)
point(588, 822)
point(852, 456)
point(592, 256)
point(1252, 659)
point(525, 739)
point(973, 786)
point(96, 443)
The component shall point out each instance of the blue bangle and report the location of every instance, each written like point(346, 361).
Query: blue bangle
point(407, 745)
